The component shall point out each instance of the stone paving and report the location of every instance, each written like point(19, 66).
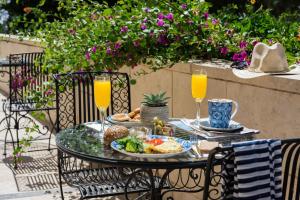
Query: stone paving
point(36, 178)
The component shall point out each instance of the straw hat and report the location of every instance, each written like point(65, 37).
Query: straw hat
point(267, 60)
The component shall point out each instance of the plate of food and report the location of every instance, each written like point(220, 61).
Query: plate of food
point(126, 119)
point(153, 146)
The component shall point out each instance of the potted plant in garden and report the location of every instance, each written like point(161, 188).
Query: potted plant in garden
point(154, 105)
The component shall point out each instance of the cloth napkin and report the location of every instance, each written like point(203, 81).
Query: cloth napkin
point(254, 172)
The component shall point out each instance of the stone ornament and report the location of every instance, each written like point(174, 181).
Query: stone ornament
point(268, 58)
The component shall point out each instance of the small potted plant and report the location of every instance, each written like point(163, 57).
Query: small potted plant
point(154, 105)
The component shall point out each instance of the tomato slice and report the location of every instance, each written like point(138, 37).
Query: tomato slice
point(155, 141)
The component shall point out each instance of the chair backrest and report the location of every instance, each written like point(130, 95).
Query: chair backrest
point(75, 97)
point(219, 158)
point(25, 75)
point(291, 169)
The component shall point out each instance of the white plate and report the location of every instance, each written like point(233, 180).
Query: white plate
point(125, 123)
point(186, 145)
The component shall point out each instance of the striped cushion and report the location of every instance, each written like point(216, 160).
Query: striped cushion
point(255, 171)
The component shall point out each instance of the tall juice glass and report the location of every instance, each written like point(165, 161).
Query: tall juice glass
point(199, 85)
point(102, 93)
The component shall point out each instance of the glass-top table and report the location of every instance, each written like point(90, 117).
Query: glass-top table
point(82, 141)
point(124, 174)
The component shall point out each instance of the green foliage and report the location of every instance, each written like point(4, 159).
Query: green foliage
point(155, 100)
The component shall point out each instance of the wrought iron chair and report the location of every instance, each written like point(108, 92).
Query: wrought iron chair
point(25, 77)
point(216, 171)
point(75, 105)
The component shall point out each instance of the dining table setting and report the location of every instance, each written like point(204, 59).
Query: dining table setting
point(148, 141)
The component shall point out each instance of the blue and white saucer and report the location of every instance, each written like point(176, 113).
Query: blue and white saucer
point(233, 126)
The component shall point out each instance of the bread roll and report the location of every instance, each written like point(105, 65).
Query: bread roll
point(114, 133)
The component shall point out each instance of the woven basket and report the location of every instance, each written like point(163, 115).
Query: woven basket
point(148, 113)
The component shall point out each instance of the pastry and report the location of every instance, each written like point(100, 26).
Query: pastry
point(114, 133)
point(137, 110)
point(131, 114)
point(121, 117)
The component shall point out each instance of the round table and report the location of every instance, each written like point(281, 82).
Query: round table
point(160, 176)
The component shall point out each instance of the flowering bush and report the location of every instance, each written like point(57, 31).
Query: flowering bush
point(158, 34)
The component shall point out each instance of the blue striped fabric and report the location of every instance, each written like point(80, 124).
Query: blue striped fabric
point(254, 172)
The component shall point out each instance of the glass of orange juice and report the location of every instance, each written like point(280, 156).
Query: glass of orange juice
point(198, 86)
point(102, 93)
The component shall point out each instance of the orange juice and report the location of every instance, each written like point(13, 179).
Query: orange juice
point(199, 84)
point(102, 90)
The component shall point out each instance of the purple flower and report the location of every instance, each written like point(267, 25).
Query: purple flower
point(160, 22)
point(177, 37)
point(270, 41)
point(224, 50)
point(108, 50)
point(169, 16)
point(136, 43)
point(205, 15)
point(236, 57)
point(244, 55)
point(118, 45)
point(87, 55)
point(94, 48)
point(243, 44)
point(72, 31)
point(48, 92)
point(124, 29)
point(163, 39)
point(183, 6)
point(145, 20)
point(147, 10)
point(143, 27)
point(254, 42)
point(214, 21)
point(190, 22)
point(229, 32)
point(160, 16)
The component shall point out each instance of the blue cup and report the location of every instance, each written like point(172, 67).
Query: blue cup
point(220, 112)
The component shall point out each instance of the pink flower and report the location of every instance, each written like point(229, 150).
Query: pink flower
point(160, 22)
point(160, 16)
point(48, 92)
point(224, 50)
point(254, 42)
point(205, 15)
point(136, 43)
point(143, 27)
point(169, 16)
point(243, 44)
point(94, 48)
point(72, 31)
point(243, 55)
point(87, 55)
point(145, 20)
point(215, 21)
point(183, 6)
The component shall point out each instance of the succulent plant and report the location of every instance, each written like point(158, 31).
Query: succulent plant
point(155, 100)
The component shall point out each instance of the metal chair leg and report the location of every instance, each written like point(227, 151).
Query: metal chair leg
point(59, 154)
